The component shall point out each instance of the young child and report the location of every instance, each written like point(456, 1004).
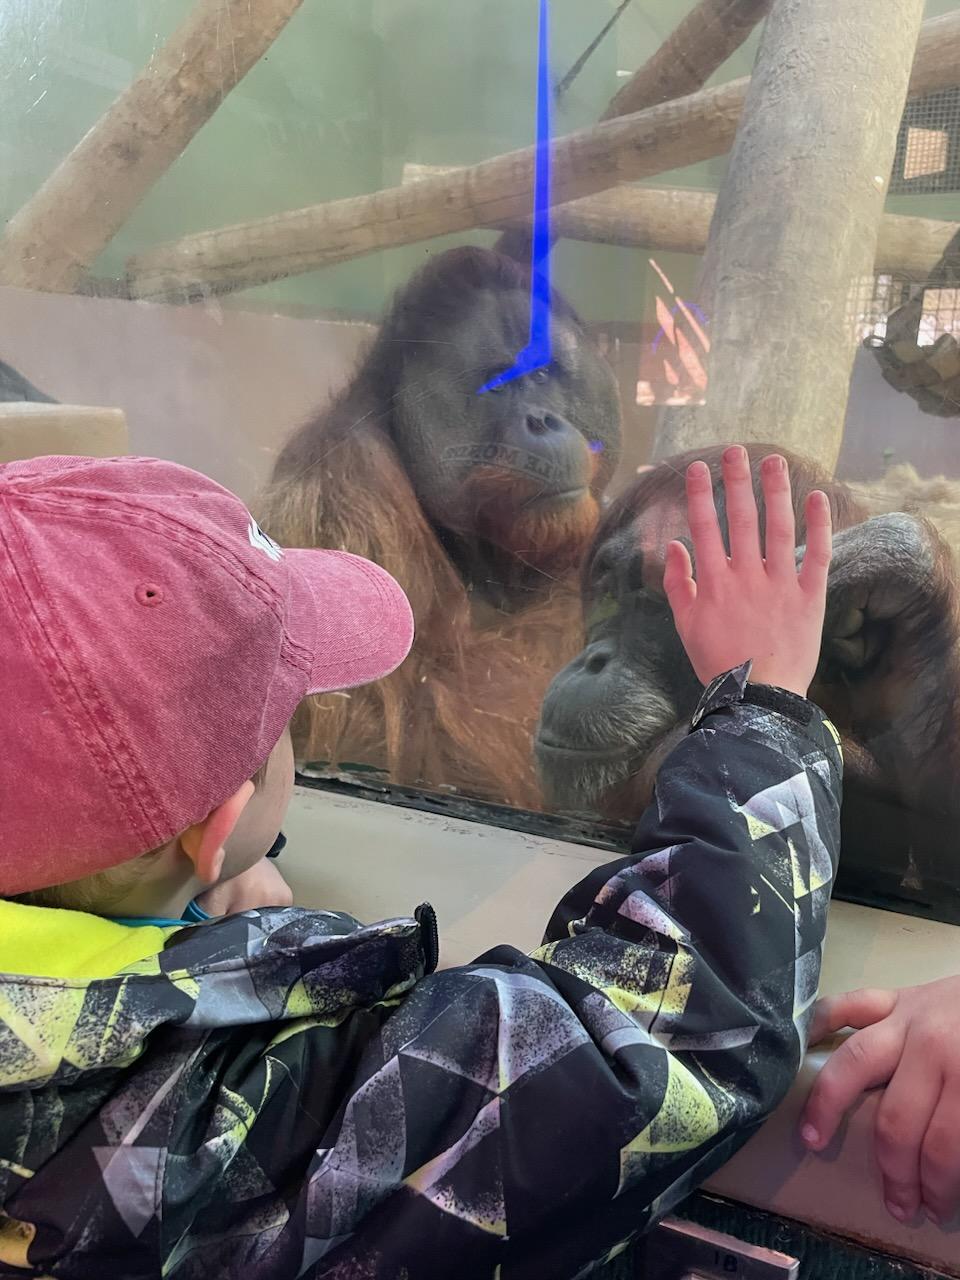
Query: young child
point(289, 1093)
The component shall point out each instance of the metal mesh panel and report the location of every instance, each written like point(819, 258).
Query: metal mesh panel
point(928, 146)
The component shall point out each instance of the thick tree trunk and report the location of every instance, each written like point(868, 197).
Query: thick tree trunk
point(53, 240)
point(497, 191)
point(794, 235)
point(700, 45)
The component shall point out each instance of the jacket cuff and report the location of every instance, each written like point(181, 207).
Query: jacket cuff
point(733, 688)
point(723, 691)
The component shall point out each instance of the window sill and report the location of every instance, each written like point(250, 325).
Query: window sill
point(839, 1190)
point(491, 885)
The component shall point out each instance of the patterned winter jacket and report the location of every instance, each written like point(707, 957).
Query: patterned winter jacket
point(288, 1093)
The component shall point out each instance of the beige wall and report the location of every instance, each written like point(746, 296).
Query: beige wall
point(214, 388)
point(218, 390)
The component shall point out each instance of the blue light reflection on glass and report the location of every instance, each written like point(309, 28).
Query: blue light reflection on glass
point(538, 352)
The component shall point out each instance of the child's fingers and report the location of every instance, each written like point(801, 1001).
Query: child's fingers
point(742, 520)
point(819, 549)
point(864, 1061)
point(853, 1009)
point(905, 1110)
point(702, 518)
point(940, 1155)
point(678, 583)
point(780, 540)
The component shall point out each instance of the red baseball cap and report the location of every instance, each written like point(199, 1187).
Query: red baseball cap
point(154, 644)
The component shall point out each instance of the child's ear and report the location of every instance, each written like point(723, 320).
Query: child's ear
point(203, 843)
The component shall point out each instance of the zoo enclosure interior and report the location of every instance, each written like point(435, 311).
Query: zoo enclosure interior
point(210, 206)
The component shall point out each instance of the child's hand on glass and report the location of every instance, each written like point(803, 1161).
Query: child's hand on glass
point(260, 886)
point(747, 606)
point(908, 1044)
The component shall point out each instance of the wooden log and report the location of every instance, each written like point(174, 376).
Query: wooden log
point(686, 60)
point(699, 46)
point(674, 220)
point(936, 63)
point(662, 219)
point(678, 221)
point(912, 246)
point(796, 226)
point(491, 193)
point(487, 194)
point(53, 240)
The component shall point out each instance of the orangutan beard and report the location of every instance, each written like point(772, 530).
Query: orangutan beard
point(512, 511)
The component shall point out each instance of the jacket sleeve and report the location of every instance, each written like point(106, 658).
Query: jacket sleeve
point(531, 1113)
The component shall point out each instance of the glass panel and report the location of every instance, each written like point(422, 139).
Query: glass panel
point(248, 246)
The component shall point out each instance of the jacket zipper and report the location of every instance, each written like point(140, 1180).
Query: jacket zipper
point(426, 918)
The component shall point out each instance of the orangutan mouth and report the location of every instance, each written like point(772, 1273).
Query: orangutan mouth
point(548, 744)
point(560, 495)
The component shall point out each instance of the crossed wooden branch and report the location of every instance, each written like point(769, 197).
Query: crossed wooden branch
point(53, 240)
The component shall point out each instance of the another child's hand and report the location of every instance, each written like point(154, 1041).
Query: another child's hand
point(908, 1044)
point(261, 886)
point(744, 606)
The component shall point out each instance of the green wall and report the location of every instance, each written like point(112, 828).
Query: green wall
point(349, 92)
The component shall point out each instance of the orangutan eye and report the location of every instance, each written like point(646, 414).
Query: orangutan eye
point(634, 579)
point(603, 610)
point(603, 564)
point(541, 375)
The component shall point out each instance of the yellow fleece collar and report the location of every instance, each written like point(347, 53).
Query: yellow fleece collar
point(43, 942)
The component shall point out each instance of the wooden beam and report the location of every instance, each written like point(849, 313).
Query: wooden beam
point(796, 226)
point(659, 219)
point(487, 194)
point(699, 46)
point(936, 63)
point(704, 40)
point(677, 220)
point(494, 192)
point(912, 247)
point(53, 240)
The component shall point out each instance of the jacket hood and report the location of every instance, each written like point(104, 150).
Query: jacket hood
point(269, 965)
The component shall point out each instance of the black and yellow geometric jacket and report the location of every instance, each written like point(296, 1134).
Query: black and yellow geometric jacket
point(289, 1093)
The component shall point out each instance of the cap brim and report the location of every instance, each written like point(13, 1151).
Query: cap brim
point(364, 623)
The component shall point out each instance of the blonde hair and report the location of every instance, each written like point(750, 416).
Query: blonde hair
point(99, 893)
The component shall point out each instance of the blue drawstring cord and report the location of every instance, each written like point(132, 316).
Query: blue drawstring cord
point(193, 913)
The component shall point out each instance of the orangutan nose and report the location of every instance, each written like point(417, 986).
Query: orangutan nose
point(595, 659)
point(593, 680)
point(597, 665)
point(539, 424)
